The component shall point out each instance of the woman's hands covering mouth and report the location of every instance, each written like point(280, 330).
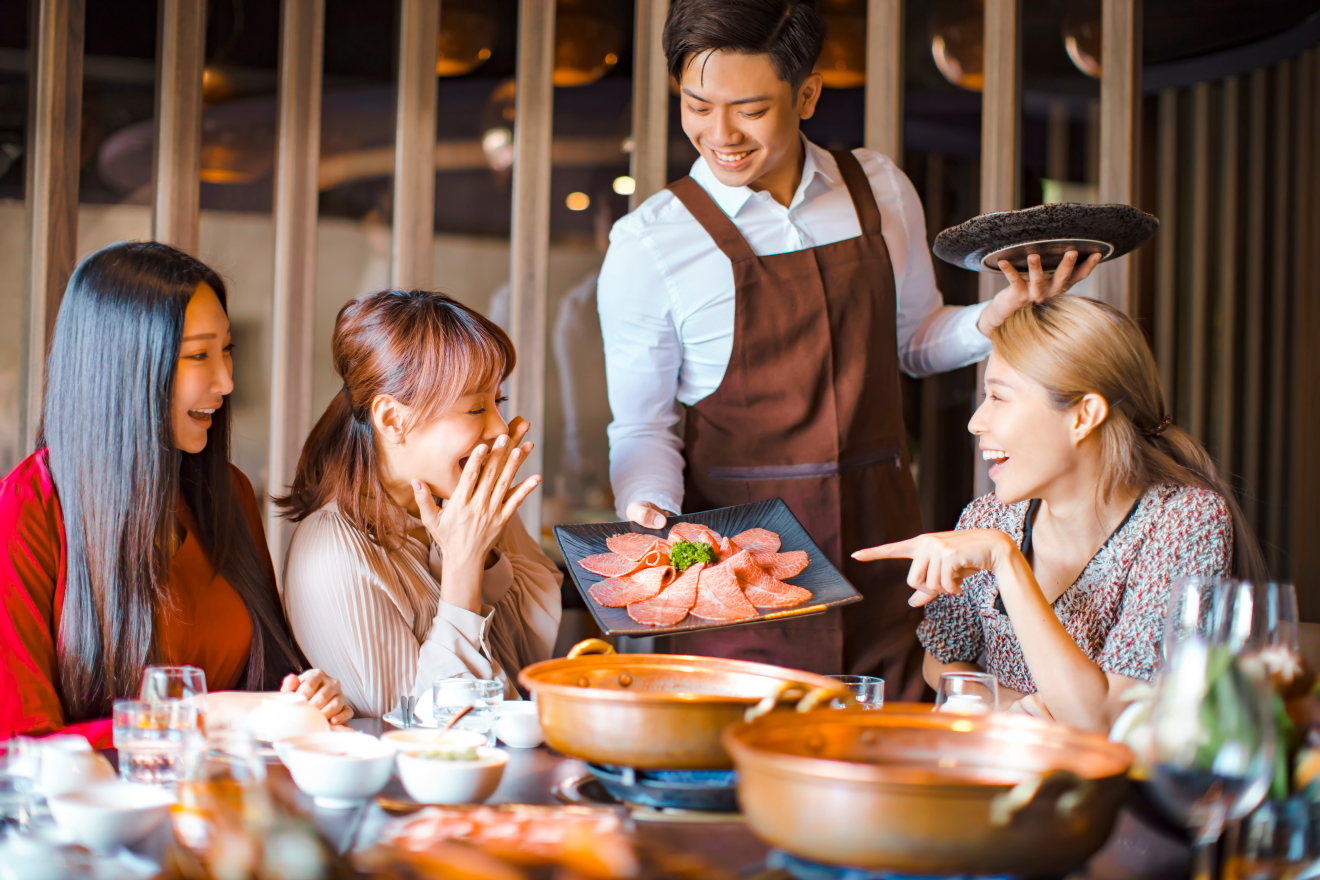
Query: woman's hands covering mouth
point(477, 513)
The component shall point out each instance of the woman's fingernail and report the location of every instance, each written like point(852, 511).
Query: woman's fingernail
point(417, 485)
point(501, 442)
point(912, 600)
point(480, 450)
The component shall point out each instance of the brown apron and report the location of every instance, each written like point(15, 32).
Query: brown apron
point(810, 411)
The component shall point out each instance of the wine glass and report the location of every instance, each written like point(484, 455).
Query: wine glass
point(187, 683)
point(967, 693)
point(867, 690)
point(1212, 727)
point(221, 786)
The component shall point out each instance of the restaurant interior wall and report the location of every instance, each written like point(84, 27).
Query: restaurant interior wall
point(1259, 424)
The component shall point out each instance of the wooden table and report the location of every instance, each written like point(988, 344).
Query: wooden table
point(1134, 851)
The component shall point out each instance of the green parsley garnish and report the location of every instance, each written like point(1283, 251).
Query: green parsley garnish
point(683, 554)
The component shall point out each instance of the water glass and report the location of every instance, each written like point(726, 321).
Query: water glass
point(18, 780)
point(187, 683)
point(967, 693)
point(221, 784)
point(150, 737)
point(867, 690)
point(451, 695)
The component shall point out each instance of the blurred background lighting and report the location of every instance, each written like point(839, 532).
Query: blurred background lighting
point(957, 42)
point(578, 201)
point(625, 185)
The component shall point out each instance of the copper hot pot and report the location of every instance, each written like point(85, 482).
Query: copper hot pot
point(925, 793)
point(659, 711)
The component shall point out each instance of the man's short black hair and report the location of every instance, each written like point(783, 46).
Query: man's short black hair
point(789, 31)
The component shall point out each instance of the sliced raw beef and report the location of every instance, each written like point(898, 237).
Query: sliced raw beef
point(782, 565)
point(671, 604)
point(728, 548)
point(762, 590)
point(617, 592)
point(631, 545)
point(685, 531)
point(610, 564)
point(763, 540)
point(719, 597)
point(657, 555)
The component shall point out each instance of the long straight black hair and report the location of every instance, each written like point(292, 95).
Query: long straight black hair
point(108, 424)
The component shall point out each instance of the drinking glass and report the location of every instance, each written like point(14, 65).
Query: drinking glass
point(967, 693)
point(221, 786)
point(187, 683)
point(1273, 842)
point(150, 738)
point(18, 779)
point(867, 690)
point(450, 695)
point(1212, 733)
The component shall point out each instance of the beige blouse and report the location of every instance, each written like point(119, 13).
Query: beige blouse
point(373, 618)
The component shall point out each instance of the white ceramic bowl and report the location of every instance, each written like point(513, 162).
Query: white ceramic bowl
point(281, 716)
point(66, 767)
point(519, 725)
point(339, 770)
point(104, 817)
point(433, 781)
point(421, 736)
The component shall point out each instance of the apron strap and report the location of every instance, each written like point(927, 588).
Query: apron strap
point(859, 187)
point(712, 219)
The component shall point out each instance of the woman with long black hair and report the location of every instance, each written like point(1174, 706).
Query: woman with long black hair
point(128, 538)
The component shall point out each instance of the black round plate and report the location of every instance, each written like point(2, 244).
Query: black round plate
point(1048, 230)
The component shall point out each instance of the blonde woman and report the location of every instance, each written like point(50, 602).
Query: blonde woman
point(1058, 580)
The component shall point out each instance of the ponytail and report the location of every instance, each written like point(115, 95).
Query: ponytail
point(1074, 347)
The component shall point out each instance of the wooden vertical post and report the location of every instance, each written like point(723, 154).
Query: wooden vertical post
point(413, 253)
point(1001, 143)
point(298, 152)
point(530, 237)
point(176, 154)
point(1120, 135)
point(1199, 271)
point(54, 128)
point(1308, 563)
point(650, 155)
point(1166, 245)
point(1279, 399)
point(884, 78)
point(1302, 465)
point(1225, 445)
point(1254, 331)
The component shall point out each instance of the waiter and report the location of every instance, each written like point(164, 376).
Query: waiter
point(773, 296)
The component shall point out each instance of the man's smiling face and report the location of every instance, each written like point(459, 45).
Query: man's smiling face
point(742, 117)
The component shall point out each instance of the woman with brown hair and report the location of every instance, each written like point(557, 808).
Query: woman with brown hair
point(129, 538)
point(383, 585)
point(1059, 579)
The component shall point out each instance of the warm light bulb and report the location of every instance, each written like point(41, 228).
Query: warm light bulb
point(578, 201)
point(625, 185)
point(587, 43)
point(957, 42)
point(466, 39)
point(842, 61)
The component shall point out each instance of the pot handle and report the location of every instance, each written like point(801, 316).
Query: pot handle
point(590, 646)
point(809, 699)
point(1007, 805)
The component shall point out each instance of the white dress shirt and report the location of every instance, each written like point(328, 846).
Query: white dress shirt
point(666, 301)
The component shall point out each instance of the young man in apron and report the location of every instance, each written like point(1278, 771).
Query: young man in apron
point(774, 295)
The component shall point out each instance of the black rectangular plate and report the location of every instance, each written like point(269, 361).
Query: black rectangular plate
point(828, 586)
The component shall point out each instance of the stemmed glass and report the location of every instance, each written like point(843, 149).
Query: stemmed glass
point(186, 683)
point(1212, 720)
point(967, 693)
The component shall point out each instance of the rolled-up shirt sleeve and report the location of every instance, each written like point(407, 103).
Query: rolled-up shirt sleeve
point(932, 337)
point(643, 356)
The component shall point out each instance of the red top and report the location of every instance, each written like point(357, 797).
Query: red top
point(204, 623)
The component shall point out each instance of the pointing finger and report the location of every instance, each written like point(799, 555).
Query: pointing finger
point(897, 550)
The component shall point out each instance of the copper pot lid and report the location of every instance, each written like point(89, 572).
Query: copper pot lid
point(1047, 230)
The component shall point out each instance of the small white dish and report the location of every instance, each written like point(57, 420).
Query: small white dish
point(519, 724)
point(281, 716)
point(104, 817)
point(66, 767)
point(437, 781)
point(421, 736)
point(339, 770)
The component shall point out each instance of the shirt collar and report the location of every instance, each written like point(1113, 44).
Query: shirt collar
point(732, 198)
